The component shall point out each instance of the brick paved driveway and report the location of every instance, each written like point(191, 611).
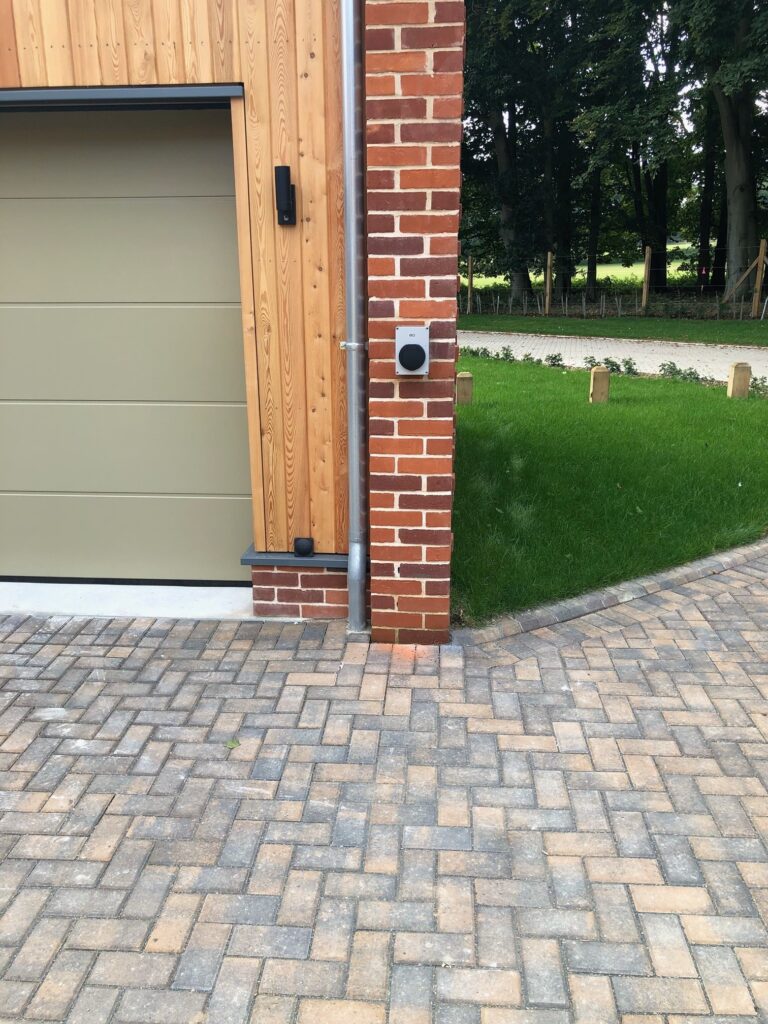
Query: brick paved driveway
point(569, 825)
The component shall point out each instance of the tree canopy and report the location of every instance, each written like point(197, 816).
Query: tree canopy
point(599, 127)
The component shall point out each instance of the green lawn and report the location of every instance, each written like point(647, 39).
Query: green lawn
point(555, 497)
point(710, 332)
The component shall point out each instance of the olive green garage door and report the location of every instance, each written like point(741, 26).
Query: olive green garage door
point(123, 435)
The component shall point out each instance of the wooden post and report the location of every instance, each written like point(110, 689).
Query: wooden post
point(647, 278)
point(548, 285)
point(759, 278)
point(739, 377)
point(464, 385)
point(470, 281)
point(599, 384)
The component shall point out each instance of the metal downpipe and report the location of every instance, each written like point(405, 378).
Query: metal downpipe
point(352, 99)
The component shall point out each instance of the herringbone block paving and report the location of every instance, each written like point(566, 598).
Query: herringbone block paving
point(262, 822)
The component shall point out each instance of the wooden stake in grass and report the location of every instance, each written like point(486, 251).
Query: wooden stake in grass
point(647, 278)
point(548, 286)
point(599, 384)
point(739, 377)
point(759, 278)
point(464, 385)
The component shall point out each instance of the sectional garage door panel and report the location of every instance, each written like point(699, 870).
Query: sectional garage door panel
point(118, 250)
point(131, 448)
point(149, 166)
point(122, 537)
point(139, 353)
point(123, 427)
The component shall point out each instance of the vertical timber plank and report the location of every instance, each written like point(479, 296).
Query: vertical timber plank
point(289, 299)
point(58, 44)
point(245, 250)
point(312, 200)
point(169, 42)
point(112, 50)
point(253, 62)
point(224, 42)
point(10, 77)
point(85, 42)
point(197, 40)
point(30, 47)
point(335, 215)
point(140, 42)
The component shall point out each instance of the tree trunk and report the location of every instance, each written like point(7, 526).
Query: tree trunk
point(736, 120)
point(593, 241)
point(564, 213)
point(506, 163)
point(548, 185)
point(717, 279)
point(656, 190)
point(636, 189)
point(706, 206)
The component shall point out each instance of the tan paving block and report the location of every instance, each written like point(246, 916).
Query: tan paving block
point(273, 1010)
point(368, 966)
point(527, 743)
point(310, 679)
point(624, 870)
point(453, 808)
point(688, 766)
point(724, 931)
point(423, 948)
point(592, 999)
point(643, 773)
point(670, 899)
point(455, 910)
point(170, 932)
point(759, 991)
point(606, 754)
point(302, 978)
point(754, 874)
point(754, 963)
point(479, 985)
point(300, 895)
point(581, 844)
point(338, 1011)
point(669, 951)
point(272, 863)
point(398, 702)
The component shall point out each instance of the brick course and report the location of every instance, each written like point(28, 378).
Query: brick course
point(299, 593)
point(414, 59)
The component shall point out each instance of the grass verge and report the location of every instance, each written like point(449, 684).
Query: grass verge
point(708, 332)
point(555, 497)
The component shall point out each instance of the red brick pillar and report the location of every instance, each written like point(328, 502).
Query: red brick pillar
point(414, 54)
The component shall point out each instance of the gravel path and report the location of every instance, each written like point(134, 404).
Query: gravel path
point(709, 360)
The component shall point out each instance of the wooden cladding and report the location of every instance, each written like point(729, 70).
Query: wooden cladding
point(286, 54)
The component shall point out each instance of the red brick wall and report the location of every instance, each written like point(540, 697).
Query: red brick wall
point(414, 54)
point(301, 593)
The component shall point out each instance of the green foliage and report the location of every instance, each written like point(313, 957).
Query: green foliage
point(555, 497)
point(557, 92)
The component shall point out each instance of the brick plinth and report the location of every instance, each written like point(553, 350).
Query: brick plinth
point(413, 62)
point(303, 593)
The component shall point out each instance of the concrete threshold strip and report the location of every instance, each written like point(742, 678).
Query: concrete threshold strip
point(108, 600)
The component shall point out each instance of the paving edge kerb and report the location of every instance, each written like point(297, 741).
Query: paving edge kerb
point(610, 597)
